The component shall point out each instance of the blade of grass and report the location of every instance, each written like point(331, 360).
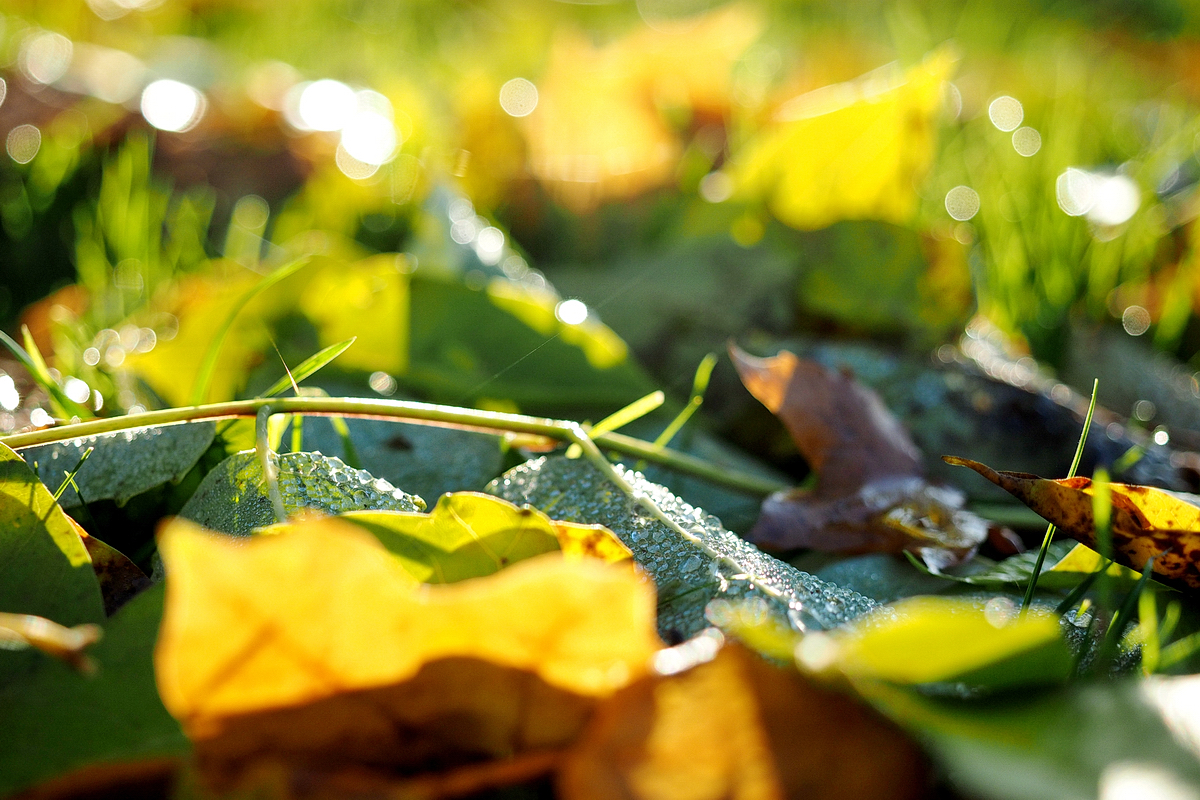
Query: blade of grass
point(699, 387)
point(1049, 537)
point(1148, 631)
point(1124, 615)
point(35, 365)
point(69, 480)
point(1081, 589)
point(209, 363)
point(308, 367)
point(634, 411)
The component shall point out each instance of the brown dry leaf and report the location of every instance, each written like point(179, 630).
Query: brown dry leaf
point(1146, 522)
point(120, 579)
point(869, 495)
point(739, 728)
point(842, 428)
point(316, 649)
point(888, 515)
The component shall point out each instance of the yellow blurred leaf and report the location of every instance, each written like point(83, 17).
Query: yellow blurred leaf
point(536, 308)
point(737, 727)
point(201, 304)
point(854, 150)
point(367, 299)
point(1146, 522)
point(598, 131)
point(281, 621)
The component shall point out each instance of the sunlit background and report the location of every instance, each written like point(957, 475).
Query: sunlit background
point(907, 166)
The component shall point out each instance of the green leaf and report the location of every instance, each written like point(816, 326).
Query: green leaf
point(468, 535)
point(124, 464)
point(1015, 569)
point(308, 366)
point(56, 720)
point(938, 639)
point(687, 577)
point(233, 498)
point(1062, 745)
point(44, 567)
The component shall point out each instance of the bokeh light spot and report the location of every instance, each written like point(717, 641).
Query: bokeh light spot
point(571, 312)
point(962, 203)
point(325, 105)
point(1135, 320)
point(23, 143)
point(716, 187)
point(518, 97)
point(1006, 113)
point(369, 137)
point(1026, 141)
point(172, 106)
point(46, 56)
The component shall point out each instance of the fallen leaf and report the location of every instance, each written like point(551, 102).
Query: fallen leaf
point(57, 722)
point(470, 534)
point(842, 428)
point(120, 579)
point(885, 515)
point(45, 570)
point(1146, 522)
point(928, 639)
point(738, 727)
point(315, 616)
point(870, 494)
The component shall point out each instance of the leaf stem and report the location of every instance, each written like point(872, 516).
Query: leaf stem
point(425, 413)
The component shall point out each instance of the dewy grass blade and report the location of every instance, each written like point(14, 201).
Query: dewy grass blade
point(209, 363)
point(1049, 537)
point(308, 367)
point(1148, 632)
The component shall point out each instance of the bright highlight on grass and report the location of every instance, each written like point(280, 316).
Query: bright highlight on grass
point(571, 312)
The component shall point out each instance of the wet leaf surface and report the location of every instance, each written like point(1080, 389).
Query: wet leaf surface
point(233, 496)
point(686, 576)
point(122, 464)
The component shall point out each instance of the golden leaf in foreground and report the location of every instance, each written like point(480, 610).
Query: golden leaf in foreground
point(1146, 522)
point(738, 727)
point(281, 621)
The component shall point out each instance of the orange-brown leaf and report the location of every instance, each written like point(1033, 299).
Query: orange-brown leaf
point(1145, 523)
point(738, 727)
